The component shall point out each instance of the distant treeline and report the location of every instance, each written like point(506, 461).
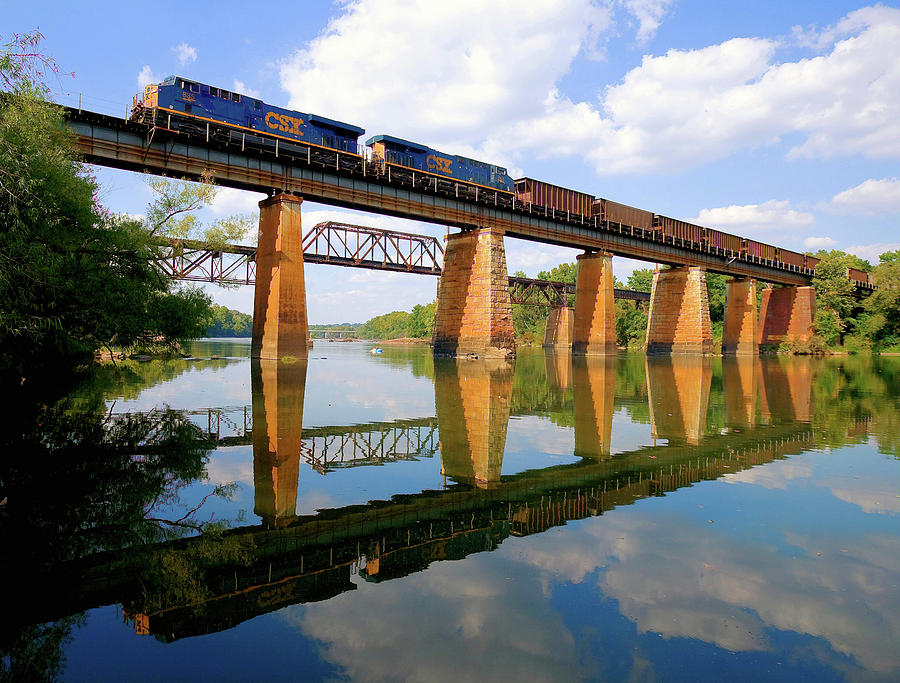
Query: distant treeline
point(416, 324)
point(226, 322)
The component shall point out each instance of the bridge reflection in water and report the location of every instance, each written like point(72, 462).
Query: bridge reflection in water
point(291, 558)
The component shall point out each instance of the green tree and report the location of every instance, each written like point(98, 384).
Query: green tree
point(882, 323)
point(72, 277)
point(641, 280)
point(225, 322)
point(835, 294)
point(421, 321)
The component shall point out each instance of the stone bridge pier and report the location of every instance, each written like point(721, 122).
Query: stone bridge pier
point(679, 313)
point(595, 315)
point(786, 313)
point(280, 325)
point(560, 328)
point(739, 333)
point(474, 314)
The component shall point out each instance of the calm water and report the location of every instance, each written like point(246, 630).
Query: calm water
point(392, 517)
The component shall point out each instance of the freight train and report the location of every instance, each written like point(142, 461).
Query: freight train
point(187, 106)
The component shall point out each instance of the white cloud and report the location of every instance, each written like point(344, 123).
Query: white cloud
point(749, 218)
point(244, 89)
point(649, 14)
point(471, 66)
point(229, 201)
point(819, 243)
point(185, 53)
point(871, 252)
point(146, 76)
point(869, 197)
point(490, 88)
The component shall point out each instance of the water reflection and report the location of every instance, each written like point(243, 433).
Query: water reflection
point(472, 402)
point(594, 385)
point(678, 394)
point(739, 377)
point(278, 391)
point(754, 561)
point(787, 388)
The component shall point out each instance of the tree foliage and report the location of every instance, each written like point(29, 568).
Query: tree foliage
point(73, 278)
point(418, 323)
point(173, 213)
point(225, 322)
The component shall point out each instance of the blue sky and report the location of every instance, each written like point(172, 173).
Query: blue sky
point(775, 120)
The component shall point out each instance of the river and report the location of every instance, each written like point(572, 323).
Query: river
point(388, 516)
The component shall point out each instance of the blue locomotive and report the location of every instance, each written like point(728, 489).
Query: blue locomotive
point(408, 154)
point(205, 103)
point(188, 106)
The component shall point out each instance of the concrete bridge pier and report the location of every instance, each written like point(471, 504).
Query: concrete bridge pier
point(474, 314)
point(472, 401)
point(594, 331)
point(560, 328)
point(740, 335)
point(280, 326)
point(679, 312)
point(278, 392)
point(786, 313)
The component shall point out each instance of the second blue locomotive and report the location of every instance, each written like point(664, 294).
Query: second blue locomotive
point(192, 102)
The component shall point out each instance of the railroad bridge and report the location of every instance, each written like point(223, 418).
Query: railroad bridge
point(473, 312)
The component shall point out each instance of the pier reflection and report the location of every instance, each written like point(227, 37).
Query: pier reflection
point(739, 379)
point(786, 389)
point(594, 386)
point(558, 365)
point(678, 394)
point(278, 391)
point(472, 403)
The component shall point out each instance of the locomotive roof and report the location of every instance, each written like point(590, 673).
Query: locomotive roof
point(415, 146)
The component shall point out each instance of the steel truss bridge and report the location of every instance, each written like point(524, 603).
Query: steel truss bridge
point(350, 180)
point(356, 246)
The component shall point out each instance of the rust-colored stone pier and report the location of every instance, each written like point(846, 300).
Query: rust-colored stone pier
point(278, 391)
point(786, 313)
point(739, 334)
point(595, 315)
point(280, 326)
point(679, 313)
point(472, 401)
point(560, 328)
point(474, 315)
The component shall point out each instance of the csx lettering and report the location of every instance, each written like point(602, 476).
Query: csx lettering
point(283, 122)
point(439, 164)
